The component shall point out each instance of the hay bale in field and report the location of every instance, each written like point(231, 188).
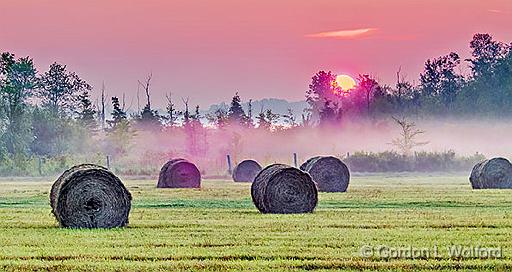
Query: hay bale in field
point(246, 171)
point(90, 196)
point(179, 173)
point(495, 173)
point(329, 173)
point(474, 178)
point(280, 188)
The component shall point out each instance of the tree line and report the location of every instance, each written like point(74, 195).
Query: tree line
point(485, 91)
point(50, 114)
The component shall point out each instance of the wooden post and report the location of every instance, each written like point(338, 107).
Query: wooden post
point(108, 162)
point(230, 169)
point(295, 160)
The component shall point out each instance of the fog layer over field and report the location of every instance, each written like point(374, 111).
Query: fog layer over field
point(209, 147)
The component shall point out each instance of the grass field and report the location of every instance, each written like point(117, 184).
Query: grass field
point(218, 228)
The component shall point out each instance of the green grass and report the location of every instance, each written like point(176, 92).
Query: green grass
point(217, 228)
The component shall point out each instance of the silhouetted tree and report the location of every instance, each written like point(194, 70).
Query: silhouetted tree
point(440, 79)
point(58, 87)
point(197, 114)
point(486, 54)
point(118, 113)
point(219, 118)
point(267, 119)
point(369, 86)
point(236, 114)
point(329, 114)
point(17, 82)
point(325, 98)
point(405, 94)
point(120, 134)
point(289, 118)
point(149, 118)
point(262, 122)
point(172, 113)
point(86, 112)
point(196, 143)
point(249, 113)
point(101, 112)
point(186, 113)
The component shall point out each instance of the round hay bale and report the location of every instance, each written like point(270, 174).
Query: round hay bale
point(474, 178)
point(329, 173)
point(281, 189)
point(90, 196)
point(246, 171)
point(495, 173)
point(179, 173)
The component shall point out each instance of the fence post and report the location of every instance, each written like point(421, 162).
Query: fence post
point(295, 160)
point(108, 162)
point(230, 169)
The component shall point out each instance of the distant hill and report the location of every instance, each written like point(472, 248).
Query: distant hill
point(279, 106)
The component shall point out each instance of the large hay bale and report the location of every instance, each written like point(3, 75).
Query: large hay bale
point(90, 196)
point(329, 173)
point(495, 173)
point(280, 188)
point(179, 173)
point(474, 178)
point(246, 171)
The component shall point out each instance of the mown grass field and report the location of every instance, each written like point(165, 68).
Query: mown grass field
point(217, 228)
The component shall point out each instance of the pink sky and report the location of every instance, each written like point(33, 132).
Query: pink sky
point(209, 49)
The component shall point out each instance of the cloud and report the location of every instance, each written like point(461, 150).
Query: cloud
point(346, 34)
point(497, 11)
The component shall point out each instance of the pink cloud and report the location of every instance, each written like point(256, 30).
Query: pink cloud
point(497, 11)
point(347, 34)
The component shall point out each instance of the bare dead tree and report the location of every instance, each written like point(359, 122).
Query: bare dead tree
point(401, 87)
point(146, 85)
point(103, 98)
point(407, 140)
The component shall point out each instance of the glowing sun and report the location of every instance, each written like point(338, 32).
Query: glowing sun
point(345, 82)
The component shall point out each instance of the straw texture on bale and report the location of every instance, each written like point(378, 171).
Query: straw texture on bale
point(179, 173)
point(329, 173)
point(282, 189)
point(495, 173)
point(90, 196)
point(246, 171)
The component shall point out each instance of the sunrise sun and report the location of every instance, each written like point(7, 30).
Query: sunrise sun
point(346, 82)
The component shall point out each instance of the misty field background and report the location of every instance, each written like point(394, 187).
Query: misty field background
point(217, 228)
